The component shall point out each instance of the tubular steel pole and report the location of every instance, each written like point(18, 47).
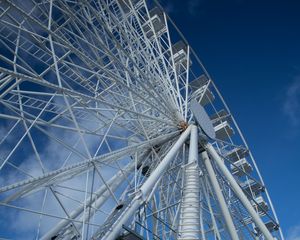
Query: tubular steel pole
point(189, 222)
point(238, 191)
point(217, 189)
point(147, 187)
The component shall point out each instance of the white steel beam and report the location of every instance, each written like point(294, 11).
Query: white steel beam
point(239, 192)
point(206, 190)
point(189, 222)
point(78, 168)
point(146, 188)
point(217, 189)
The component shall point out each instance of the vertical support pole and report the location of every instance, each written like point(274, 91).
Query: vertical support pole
point(189, 222)
point(206, 191)
point(217, 189)
point(239, 192)
point(201, 217)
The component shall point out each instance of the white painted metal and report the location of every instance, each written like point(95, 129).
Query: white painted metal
point(217, 189)
point(239, 192)
point(98, 199)
point(189, 220)
point(92, 95)
point(147, 187)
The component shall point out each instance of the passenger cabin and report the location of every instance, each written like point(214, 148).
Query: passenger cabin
point(125, 4)
point(271, 226)
point(158, 22)
point(250, 186)
point(198, 82)
point(223, 130)
point(236, 154)
point(198, 87)
point(219, 116)
point(221, 125)
point(241, 167)
point(179, 51)
point(260, 205)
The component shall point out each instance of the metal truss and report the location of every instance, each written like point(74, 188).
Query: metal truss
point(98, 138)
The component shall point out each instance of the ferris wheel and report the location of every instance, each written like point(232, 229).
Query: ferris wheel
point(111, 128)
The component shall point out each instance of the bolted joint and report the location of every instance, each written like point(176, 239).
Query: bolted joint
point(183, 126)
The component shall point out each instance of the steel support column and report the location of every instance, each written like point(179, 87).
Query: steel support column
point(217, 189)
point(189, 222)
point(146, 188)
point(239, 192)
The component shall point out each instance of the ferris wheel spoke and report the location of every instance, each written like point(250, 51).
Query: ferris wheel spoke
point(144, 41)
point(24, 135)
point(63, 127)
point(123, 65)
point(72, 93)
point(72, 129)
point(95, 110)
point(51, 178)
point(173, 62)
point(117, 44)
point(16, 111)
point(157, 45)
point(44, 214)
point(70, 47)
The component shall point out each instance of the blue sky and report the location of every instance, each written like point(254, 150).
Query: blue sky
point(252, 49)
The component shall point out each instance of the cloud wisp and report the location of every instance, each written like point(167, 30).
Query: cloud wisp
point(294, 233)
point(291, 104)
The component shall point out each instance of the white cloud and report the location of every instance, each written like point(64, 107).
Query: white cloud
point(294, 233)
point(291, 106)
